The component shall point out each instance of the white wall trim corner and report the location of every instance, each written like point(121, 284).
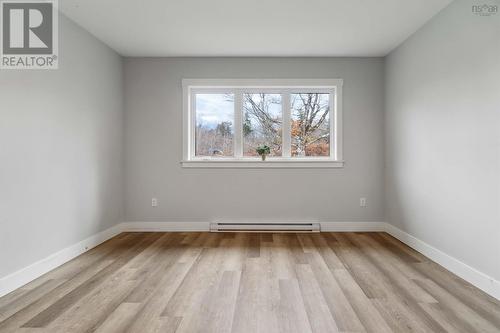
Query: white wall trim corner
point(21, 277)
point(480, 280)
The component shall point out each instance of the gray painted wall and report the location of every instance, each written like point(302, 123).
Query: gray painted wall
point(443, 136)
point(154, 147)
point(60, 150)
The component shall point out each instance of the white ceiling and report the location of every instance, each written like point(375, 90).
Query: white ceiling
point(252, 27)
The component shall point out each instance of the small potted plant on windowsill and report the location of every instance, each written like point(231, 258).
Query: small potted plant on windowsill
point(263, 151)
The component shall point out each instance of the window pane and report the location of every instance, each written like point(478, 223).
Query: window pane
point(310, 124)
point(214, 124)
point(262, 123)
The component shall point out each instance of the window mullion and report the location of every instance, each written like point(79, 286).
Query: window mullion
point(238, 123)
point(287, 124)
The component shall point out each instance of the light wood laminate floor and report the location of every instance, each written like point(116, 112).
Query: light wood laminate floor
point(218, 282)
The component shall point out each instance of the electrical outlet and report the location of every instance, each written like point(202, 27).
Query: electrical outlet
point(362, 202)
point(154, 202)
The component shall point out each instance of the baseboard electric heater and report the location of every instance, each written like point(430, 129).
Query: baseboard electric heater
point(265, 227)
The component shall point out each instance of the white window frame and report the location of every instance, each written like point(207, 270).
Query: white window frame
point(190, 87)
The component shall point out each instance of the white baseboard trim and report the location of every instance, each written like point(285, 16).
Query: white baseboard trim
point(205, 226)
point(482, 281)
point(137, 226)
point(352, 226)
point(18, 279)
point(23, 276)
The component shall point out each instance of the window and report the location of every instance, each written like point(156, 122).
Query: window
point(214, 134)
point(226, 120)
point(262, 123)
point(310, 130)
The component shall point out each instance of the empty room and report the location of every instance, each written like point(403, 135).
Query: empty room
point(249, 166)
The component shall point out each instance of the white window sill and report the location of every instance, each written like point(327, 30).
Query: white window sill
point(297, 163)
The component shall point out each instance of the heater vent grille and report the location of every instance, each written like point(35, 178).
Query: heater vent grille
point(265, 227)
